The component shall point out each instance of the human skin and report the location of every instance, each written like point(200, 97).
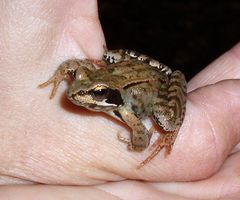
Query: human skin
point(55, 142)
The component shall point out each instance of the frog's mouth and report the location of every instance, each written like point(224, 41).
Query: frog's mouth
point(103, 106)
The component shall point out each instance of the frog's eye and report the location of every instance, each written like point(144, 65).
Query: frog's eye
point(100, 93)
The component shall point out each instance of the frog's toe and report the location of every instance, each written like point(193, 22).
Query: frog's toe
point(45, 84)
point(54, 90)
point(123, 139)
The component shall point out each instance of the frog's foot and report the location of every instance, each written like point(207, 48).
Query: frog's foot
point(67, 69)
point(126, 141)
point(156, 143)
point(164, 141)
point(55, 80)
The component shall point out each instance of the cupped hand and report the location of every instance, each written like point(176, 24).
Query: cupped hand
point(55, 142)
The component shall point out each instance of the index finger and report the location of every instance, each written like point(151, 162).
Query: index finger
point(226, 66)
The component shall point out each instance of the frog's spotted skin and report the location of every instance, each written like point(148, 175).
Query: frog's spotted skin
point(131, 87)
point(114, 56)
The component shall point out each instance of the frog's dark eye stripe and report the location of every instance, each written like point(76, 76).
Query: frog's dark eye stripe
point(114, 97)
point(110, 96)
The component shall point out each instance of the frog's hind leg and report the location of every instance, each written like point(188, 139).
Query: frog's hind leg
point(169, 114)
point(119, 55)
point(164, 141)
point(169, 110)
point(147, 59)
point(68, 67)
point(115, 56)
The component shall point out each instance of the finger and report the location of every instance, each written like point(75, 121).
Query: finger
point(129, 190)
point(85, 29)
point(33, 32)
point(224, 184)
point(29, 192)
point(225, 67)
point(136, 190)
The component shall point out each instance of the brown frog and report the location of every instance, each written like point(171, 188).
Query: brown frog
point(129, 86)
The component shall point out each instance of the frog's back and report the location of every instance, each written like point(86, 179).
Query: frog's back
point(121, 74)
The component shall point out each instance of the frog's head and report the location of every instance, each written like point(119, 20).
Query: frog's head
point(94, 96)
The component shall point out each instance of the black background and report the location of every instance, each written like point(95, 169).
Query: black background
point(184, 34)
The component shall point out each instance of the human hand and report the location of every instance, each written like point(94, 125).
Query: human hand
point(55, 142)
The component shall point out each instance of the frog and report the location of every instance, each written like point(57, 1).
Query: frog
point(129, 86)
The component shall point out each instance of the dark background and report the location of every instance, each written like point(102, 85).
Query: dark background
point(185, 34)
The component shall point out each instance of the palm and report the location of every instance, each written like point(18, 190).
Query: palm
point(82, 148)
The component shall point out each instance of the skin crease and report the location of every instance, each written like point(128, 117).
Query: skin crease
point(55, 142)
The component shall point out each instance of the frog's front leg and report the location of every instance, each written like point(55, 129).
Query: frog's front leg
point(140, 136)
point(169, 114)
point(72, 67)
